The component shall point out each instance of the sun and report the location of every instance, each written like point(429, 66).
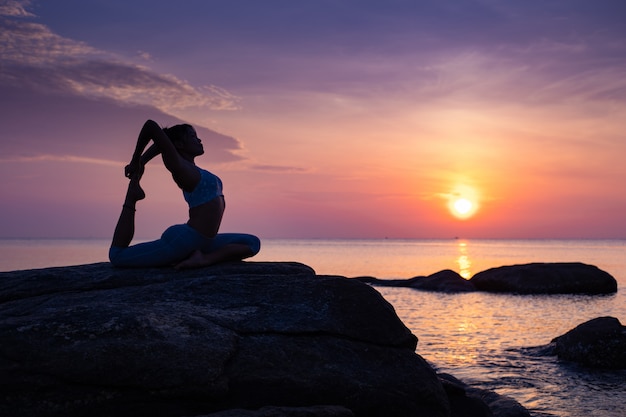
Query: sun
point(463, 202)
point(462, 206)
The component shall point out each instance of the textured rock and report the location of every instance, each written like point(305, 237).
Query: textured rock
point(317, 411)
point(461, 404)
point(443, 281)
point(467, 401)
point(546, 278)
point(499, 405)
point(597, 343)
point(98, 341)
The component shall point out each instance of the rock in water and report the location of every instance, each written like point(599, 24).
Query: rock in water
point(92, 340)
point(597, 343)
point(443, 281)
point(473, 402)
point(446, 281)
point(546, 278)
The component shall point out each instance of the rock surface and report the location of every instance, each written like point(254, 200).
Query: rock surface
point(92, 340)
point(466, 401)
point(443, 281)
point(316, 411)
point(546, 278)
point(597, 343)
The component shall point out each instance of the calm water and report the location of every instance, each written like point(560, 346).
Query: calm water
point(479, 338)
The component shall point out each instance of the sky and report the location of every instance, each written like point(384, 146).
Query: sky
point(324, 119)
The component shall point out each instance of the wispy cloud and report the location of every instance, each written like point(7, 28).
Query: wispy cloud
point(61, 158)
point(279, 168)
point(15, 8)
point(34, 56)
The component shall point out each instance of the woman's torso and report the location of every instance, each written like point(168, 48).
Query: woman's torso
point(206, 204)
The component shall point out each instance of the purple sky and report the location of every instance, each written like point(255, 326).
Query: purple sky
point(324, 118)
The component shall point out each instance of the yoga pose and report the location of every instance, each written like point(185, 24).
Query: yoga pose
point(196, 243)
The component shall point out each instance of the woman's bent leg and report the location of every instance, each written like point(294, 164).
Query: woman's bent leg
point(176, 244)
point(224, 247)
point(222, 240)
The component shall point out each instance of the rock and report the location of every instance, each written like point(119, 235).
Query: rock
point(384, 282)
point(317, 411)
point(546, 278)
point(467, 401)
point(443, 281)
point(93, 340)
point(499, 405)
point(597, 343)
point(461, 404)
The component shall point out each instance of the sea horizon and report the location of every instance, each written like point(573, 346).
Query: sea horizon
point(465, 255)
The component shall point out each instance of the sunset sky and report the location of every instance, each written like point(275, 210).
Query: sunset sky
point(327, 118)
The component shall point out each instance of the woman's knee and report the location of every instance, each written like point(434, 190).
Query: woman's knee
point(254, 243)
point(114, 255)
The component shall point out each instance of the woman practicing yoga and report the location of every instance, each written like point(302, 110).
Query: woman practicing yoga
point(196, 243)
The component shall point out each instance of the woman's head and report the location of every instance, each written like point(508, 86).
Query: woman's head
point(185, 139)
point(179, 133)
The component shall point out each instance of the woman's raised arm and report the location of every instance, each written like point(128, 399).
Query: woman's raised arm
point(185, 174)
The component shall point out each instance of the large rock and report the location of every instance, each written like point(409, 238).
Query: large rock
point(597, 343)
point(92, 340)
point(546, 278)
point(446, 281)
point(315, 411)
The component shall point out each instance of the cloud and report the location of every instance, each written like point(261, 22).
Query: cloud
point(62, 158)
point(33, 56)
point(37, 124)
point(282, 169)
point(15, 8)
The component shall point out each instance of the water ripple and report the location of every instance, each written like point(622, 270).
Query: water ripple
point(501, 343)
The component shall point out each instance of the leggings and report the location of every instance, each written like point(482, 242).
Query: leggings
point(175, 245)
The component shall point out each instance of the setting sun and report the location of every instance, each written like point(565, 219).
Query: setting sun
point(463, 202)
point(462, 206)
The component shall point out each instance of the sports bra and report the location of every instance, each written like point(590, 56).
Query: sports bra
point(209, 187)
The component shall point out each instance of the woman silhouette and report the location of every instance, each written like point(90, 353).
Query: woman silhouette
point(195, 243)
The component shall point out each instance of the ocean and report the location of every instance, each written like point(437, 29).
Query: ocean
point(480, 338)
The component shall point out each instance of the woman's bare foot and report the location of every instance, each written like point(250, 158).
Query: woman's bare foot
point(196, 260)
point(230, 252)
point(135, 192)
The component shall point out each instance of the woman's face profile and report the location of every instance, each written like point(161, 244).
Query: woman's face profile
point(191, 143)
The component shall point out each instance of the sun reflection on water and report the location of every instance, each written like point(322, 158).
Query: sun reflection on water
point(463, 261)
